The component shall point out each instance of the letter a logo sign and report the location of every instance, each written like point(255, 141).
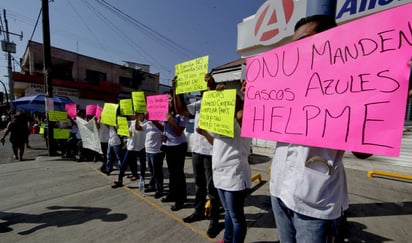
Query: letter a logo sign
point(272, 21)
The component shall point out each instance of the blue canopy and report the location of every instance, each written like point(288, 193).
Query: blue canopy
point(38, 103)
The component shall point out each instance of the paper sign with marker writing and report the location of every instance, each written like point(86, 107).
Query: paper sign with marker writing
point(191, 75)
point(139, 101)
point(217, 112)
point(157, 107)
point(345, 88)
point(99, 110)
point(109, 114)
point(59, 133)
point(91, 110)
point(57, 116)
point(126, 108)
point(71, 110)
point(123, 129)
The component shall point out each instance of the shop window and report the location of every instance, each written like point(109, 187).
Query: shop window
point(93, 77)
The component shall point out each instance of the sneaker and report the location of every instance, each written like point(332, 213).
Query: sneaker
point(117, 184)
point(158, 195)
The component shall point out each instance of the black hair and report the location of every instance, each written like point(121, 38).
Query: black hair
point(324, 22)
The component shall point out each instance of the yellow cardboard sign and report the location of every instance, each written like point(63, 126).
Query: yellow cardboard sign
point(123, 126)
point(126, 108)
point(57, 115)
point(109, 114)
point(217, 112)
point(139, 101)
point(60, 133)
point(191, 75)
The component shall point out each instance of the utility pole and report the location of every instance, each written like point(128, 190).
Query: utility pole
point(9, 47)
point(48, 84)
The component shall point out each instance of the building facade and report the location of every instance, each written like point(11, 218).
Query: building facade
point(83, 79)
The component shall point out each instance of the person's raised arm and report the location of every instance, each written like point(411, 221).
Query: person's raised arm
point(172, 122)
point(180, 109)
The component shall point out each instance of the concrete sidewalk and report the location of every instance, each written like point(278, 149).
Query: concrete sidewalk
point(53, 200)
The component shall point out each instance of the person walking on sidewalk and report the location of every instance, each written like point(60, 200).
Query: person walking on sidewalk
point(202, 166)
point(18, 135)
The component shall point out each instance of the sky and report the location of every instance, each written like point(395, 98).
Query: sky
point(159, 33)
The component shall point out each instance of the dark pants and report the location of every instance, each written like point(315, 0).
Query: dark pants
point(142, 161)
point(129, 160)
point(156, 164)
point(175, 159)
point(202, 173)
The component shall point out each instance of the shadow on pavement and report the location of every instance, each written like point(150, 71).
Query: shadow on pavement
point(58, 216)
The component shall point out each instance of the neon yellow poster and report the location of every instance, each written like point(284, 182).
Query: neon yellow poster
point(191, 75)
point(139, 101)
point(123, 126)
point(109, 114)
point(217, 112)
point(126, 108)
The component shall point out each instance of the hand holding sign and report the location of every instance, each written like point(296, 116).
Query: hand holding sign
point(323, 91)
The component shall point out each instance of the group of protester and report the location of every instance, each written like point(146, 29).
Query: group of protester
point(306, 208)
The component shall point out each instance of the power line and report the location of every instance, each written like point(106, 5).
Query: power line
point(35, 26)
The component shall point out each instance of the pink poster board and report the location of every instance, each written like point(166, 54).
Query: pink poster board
point(91, 110)
point(345, 88)
point(71, 110)
point(157, 106)
point(99, 110)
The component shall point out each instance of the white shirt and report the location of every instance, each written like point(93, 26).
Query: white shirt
point(231, 170)
point(104, 133)
point(307, 188)
point(137, 138)
point(153, 141)
point(114, 139)
point(200, 143)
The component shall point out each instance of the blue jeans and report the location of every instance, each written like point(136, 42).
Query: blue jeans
point(141, 154)
point(156, 164)
point(295, 227)
point(129, 159)
point(235, 221)
point(113, 151)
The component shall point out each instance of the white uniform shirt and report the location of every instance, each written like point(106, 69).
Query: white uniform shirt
point(137, 138)
point(307, 188)
point(200, 144)
point(104, 133)
point(153, 141)
point(114, 139)
point(231, 170)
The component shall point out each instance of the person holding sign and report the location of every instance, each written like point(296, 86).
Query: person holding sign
point(202, 165)
point(231, 174)
point(114, 149)
point(153, 143)
point(135, 149)
point(175, 150)
point(308, 184)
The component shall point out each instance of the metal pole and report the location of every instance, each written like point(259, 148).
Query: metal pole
point(327, 7)
point(47, 72)
point(10, 72)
